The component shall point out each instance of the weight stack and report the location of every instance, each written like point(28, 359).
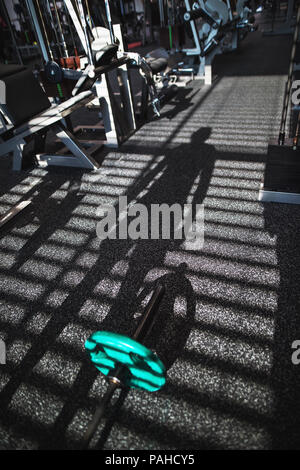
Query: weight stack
point(281, 181)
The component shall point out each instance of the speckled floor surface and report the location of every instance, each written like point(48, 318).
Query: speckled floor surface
point(231, 311)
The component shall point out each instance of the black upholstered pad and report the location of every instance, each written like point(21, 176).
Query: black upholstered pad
point(25, 98)
point(106, 54)
point(10, 69)
point(157, 65)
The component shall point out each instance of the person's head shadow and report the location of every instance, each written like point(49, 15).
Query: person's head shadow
point(193, 155)
point(200, 136)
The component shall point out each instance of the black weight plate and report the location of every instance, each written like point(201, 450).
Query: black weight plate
point(53, 72)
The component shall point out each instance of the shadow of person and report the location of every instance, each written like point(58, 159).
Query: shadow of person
point(183, 171)
point(178, 169)
point(283, 222)
point(181, 174)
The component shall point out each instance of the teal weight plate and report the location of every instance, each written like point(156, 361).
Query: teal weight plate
point(109, 350)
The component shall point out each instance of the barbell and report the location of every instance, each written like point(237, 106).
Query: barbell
point(126, 362)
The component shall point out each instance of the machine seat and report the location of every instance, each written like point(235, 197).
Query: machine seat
point(157, 65)
point(24, 96)
point(10, 69)
point(105, 55)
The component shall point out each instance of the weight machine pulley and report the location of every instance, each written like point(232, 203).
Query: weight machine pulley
point(125, 361)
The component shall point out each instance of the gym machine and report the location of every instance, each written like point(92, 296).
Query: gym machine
point(20, 40)
point(30, 115)
point(126, 362)
point(216, 29)
point(119, 120)
point(7, 24)
point(172, 35)
point(19, 124)
point(135, 18)
point(282, 174)
point(93, 41)
point(171, 40)
point(287, 27)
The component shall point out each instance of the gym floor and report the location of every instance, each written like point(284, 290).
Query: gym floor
point(231, 310)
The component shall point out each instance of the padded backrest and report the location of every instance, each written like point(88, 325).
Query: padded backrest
point(105, 55)
point(10, 69)
point(102, 58)
point(217, 9)
point(102, 38)
point(24, 96)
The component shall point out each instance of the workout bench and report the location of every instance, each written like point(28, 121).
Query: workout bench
point(26, 112)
